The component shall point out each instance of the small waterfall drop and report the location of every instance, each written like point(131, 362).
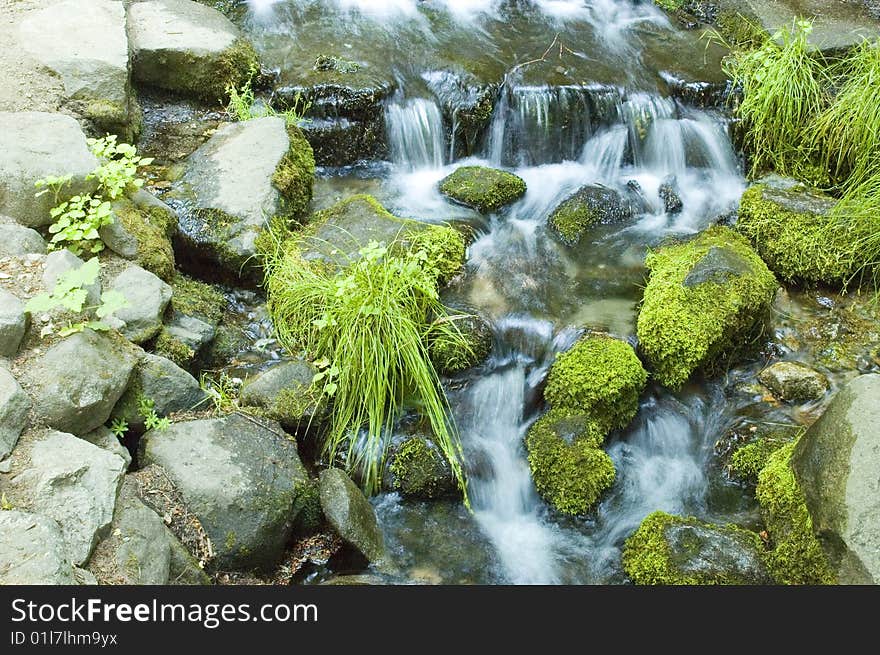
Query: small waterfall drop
point(415, 134)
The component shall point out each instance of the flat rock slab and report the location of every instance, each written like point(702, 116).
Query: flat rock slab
point(32, 551)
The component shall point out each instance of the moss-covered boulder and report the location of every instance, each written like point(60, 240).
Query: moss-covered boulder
point(592, 204)
point(673, 550)
point(285, 393)
point(419, 470)
point(600, 376)
point(245, 175)
point(790, 227)
point(796, 556)
point(484, 189)
point(450, 358)
point(196, 312)
point(141, 231)
point(703, 301)
point(568, 467)
point(748, 460)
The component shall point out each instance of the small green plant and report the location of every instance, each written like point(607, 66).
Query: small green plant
point(368, 327)
point(70, 294)
point(5, 505)
point(222, 392)
point(77, 221)
point(243, 105)
point(152, 421)
point(119, 426)
point(858, 213)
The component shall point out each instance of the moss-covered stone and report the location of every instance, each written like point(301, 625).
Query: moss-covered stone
point(748, 460)
point(141, 231)
point(484, 189)
point(740, 28)
point(419, 470)
point(673, 550)
point(797, 556)
point(295, 174)
point(168, 346)
point(194, 298)
point(791, 229)
point(569, 469)
point(704, 300)
point(450, 358)
point(590, 205)
point(599, 376)
point(285, 393)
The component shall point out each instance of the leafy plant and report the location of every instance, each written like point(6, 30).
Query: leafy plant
point(243, 105)
point(119, 426)
point(69, 293)
point(368, 326)
point(152, 421)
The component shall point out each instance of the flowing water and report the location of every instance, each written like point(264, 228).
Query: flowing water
point(539, 294)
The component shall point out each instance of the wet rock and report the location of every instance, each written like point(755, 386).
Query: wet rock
point(668, 192)
point(343, 141)
point(73, 482)
point(673, 550)
point(169, 387)
point(37, 145)
point(86, 44)
point(718, 265)
point(243, 480)
point(102, 437)
point(450, 359)
point(147, 297)
point(836, 464)
point(419, 470)
point(59, 262)
point(484, 189)
point(467, 105)
point(794, 382)
point(13, 323)
point(593, 204)
point(351, 514)
point(76, 383)
point(32, 551)
point(141, 231)
point(187, 47)
point(17, 240)
point(14, 408)
point(184, 339)
point(244, 175)
point(285, 392)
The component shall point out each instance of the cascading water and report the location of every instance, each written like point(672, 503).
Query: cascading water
point(416, 134)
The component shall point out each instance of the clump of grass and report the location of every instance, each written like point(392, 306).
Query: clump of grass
point(858, 213)
point(848, 131)
point(243, 105)
point(368, 326)
point(783, 87)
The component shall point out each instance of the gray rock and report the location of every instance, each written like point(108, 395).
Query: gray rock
point(183, 568)
point(794, 382)
point(242, 479)
point(836, 464)
point(37, 145)
point(14, 408)
point(284, 391)
point(147, 296)
point(85, 43)
point(350, 514)
point(76, 383)
point(141, 231)
point(191, 331)
point(13, 323)
point(668, 192)
point(16, 240)
point(718, 265)
point(102, 437)
point(75, 483)
point(592, 204)
point(187, 47)
point(32, 551)
point(59, 262)
point(169, 387)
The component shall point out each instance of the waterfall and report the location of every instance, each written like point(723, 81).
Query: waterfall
point(415, 134)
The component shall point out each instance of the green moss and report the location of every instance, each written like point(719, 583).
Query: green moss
point(295, 174)
point(293, 405)
point(444, 248)
point(418, 469)
point(448, 355)
point(484, 189)
point(740, 30)
point(569, 469)
point(797, 556)
point(150, 227)
point(798, 245)
point(670, 5)
point(572, 218)
point(703, 300)
point(599, 376)
point(748, 460)
point(174, 349)
point(307, 509)
point(648, 559)
point(199, 299)
point(237, 65)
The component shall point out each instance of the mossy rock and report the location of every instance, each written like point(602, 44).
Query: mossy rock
point(791, 228)
point(748, 460)
point(170, 347)
point(141, 232)
point(419, 470)
point(450, 358)
point(797, 556)
point(704, 301)
point(569, 469)
point(484, 189)
point(673, 550)
point(599, 376)
point(591, 205)
point(285, 393)
point(295, 174)
point(192, 297)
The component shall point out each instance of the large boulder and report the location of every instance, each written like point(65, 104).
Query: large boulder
point(147, 297)
point(14, 408)
point(32, 551)
point(76, 383)
point(13, 323)
point(71, 481)
point(592, 204)
point(243, 176)
point(284, 392)
point(794, 382)
point(242, 478)
point(17, 240)
point(484, 189)
point(673, 550)
point(836, 464)
point(187, 47)
point(37, 145)
point(85, 43)
point(703, 300)
point(350, 514)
